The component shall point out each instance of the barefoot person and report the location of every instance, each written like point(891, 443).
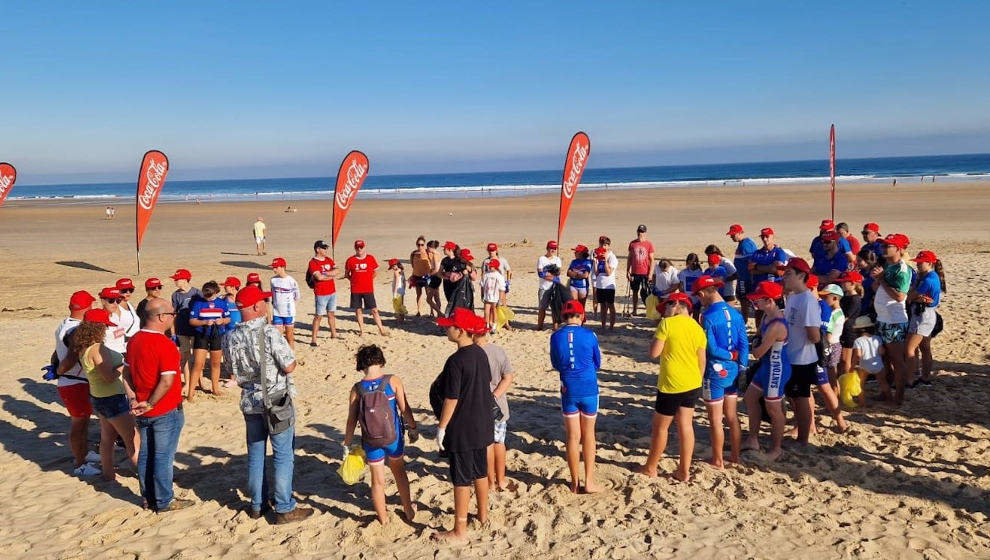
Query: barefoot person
point(803, 332)
point(745, 247)
point(382, 429)
point(680, 343)
point(285, 296)
point(111, 395)
point(892, 284)
point(321, 273)
point(422, 268)
point(361, 269)
point(260, 236)
point(774, 369)
point(544, 284)
point(461, 398)
point(575, 354)
point(727, 352)
point(639, 266)
point(606, 264)
point(209, 316)
point(252, 338)
point(182, 299)
point(923, 300)
point(502, 376)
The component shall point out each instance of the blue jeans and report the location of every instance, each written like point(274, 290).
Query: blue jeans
point(283, 457)
point(159, 438)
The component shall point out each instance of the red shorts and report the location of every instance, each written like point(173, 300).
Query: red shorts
point(76, 399)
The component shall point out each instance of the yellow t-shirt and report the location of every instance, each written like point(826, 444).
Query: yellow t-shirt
point(98, 387)
point(683, 337)
point(259, 229)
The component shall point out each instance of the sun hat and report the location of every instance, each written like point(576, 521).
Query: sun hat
point(831, 290)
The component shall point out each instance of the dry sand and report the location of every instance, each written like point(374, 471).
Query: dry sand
point(907, 483)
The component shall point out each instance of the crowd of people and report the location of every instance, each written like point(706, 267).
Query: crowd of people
point(857, 312)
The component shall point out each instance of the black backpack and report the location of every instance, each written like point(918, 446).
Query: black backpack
point(310, 279)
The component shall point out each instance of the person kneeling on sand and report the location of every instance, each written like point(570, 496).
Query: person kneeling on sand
point(379, 402)
point(574, 352)
point(462, 400)
point(680, 344)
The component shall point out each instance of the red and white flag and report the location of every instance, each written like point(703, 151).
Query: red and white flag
point(8, 175)
point(151, 179)
point(351, 175)
point(831, 165)
point(574, 164)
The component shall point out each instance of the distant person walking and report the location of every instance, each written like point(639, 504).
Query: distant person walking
point(260, 236)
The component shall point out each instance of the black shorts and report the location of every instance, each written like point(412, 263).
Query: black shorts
point(420, 281)
point(468, 466)
point(802, 378)
point(435, 282)
point(364, 301)
point(848, 336)
point(605, 296)
point(668, 403)
point(206, 342)
point(640, 283)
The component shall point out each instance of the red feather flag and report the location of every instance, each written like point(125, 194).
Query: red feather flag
point(574, 164)
point(351, 175)
point(831, 165)
point(8, 175)
point(151, 179)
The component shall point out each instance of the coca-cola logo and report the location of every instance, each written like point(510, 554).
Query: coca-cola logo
point(577, 167)
point(355, 175)
point(154, 177)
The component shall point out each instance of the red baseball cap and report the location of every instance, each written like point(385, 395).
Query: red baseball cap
point(181, 274)
point(580, 249)
point(799, 264)
point(766, 231)
point(278, 262)
point(392, 262)
point(551, 244)
point(714, 259)
point(99, 316)
point(705, 282)
point(249, 296)
point(766, 290)
point(850, 276)
point(830, 235)
point(875, 228)
point(680, 297)
point(125, 284)
point(232, 281)
point(81, 300)
point(253, 277)
point(812, 282)
point(110, 293)
point(601, 252)
point(479, 327)
point(572, 307)
point(152, 283)
point(359, 243)
point(926, 257)
point(461, 318)
point(734, 229)
point(897, 240)
point(450, 245)
point(494, 264)
point(492, 247)
point(827, 225)
point(466, 254)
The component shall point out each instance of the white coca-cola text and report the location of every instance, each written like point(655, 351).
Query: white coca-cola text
point(355, 175)
point(154, 176)
point(577, 166)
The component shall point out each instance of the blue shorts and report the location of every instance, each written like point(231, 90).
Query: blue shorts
point(111, 407)
point(772, 376)
point(571, 406)
point(326, 304)
point(714, 389)
point(276, 320)
point(395, 450)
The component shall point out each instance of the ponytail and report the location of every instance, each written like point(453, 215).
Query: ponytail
point(941, 273)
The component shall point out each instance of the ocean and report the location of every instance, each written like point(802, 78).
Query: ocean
point(517, 183)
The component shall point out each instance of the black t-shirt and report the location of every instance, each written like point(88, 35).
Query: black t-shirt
point(452, 264)
point(141, 306)
point(466, 377)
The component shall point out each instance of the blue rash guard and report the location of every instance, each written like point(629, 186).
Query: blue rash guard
point(877, 247)
point(575, 354)
point(744, 250)
point(825, 264)
point(726, 332)
point(818, 251)
point(929, 285)
point(763, 257)
point(580, 265)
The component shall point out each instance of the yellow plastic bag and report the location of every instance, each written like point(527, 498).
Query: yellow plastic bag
point(651, 307)
point(351, 469)
point(398, 306)
point(849, 388)
point(503, 314)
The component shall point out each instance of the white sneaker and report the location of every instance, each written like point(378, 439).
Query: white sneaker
point(85, 470)
point(92, 457)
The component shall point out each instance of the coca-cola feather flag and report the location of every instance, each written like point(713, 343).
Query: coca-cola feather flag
point(831, 165)
point(351, 175)
point(151, 179)
point(574, 164)
point(8, 175)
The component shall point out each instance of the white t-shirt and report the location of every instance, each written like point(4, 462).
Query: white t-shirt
point(869, 350)
point(399, 283)
point(114, 337)
point(543, 262)
point(802, 311)
point(503, 265)
point(61, 351)
point(729, 289)
point(492, 286)
point(601, 280)
point(127, 319)
point(285, 294)
point(665, 280)
point(888, 309)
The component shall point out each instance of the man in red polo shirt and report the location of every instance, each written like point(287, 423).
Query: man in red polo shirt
point(360, 269)
point(154, 363)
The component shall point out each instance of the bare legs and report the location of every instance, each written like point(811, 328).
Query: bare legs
point(496, 467)
point(658, 442)
point(331, 321)
point(580, 443)
point(462, 497)
point(77, 439)
point(777, 423)
point(124, 426)
point(715, 416)
point(398, 467)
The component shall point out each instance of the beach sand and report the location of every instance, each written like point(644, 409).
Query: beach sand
point(912, 482)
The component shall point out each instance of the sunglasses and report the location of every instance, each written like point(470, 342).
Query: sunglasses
point(127, 291)
point(421, 244)
point(113, 300)
point(155, 288)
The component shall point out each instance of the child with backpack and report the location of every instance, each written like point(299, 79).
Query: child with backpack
point(377, 401)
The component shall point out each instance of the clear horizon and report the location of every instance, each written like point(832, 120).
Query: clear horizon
point(450, 89)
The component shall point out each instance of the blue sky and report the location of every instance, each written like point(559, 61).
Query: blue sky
point(252, 89)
